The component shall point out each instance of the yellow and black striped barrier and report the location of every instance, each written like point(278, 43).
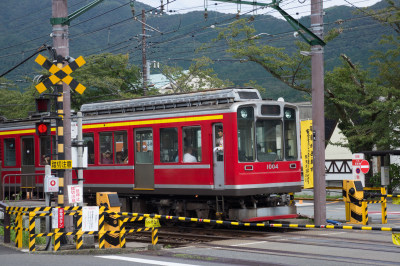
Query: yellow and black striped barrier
point(124, 217)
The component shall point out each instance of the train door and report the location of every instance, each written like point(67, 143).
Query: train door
point(218, 156)
point(144, 159)
point(27, 165)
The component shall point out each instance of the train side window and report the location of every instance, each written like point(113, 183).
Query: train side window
point(9, 152)
point(106, 148)
point(191, 137)
point(88, 140)
point(121, 147)
point(45, 150)
point(290, 134)
point(168, 145)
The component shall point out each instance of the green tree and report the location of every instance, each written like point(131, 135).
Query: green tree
point(291, 69)
point(107, 77)
point(364, 105)
point(356, 101)
point(14, 103)
point(367, 101)
point(198, 77)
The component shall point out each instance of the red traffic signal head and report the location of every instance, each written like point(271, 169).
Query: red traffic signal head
point(43, 128)
point(42, 105)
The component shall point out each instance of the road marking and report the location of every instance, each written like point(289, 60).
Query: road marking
point(379, 212)
point(304, 204)
point(154, 262)
point(251, 243)
point(336, 233)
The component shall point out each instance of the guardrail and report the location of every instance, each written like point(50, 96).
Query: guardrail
point(363, 204)
point(34, 213)
point(15, 188)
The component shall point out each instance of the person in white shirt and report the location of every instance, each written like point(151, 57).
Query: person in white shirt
point(188, 157)
point(219, 142)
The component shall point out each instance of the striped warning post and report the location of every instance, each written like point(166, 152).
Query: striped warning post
point(154, 236)
point(364, 207)
point(78, 228)
point(384, 206)
point(32, 238)
point(57, 239)
point(122, 233)
point(18, 233)
point(102, 240)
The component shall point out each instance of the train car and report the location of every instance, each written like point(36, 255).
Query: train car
point(222, 153)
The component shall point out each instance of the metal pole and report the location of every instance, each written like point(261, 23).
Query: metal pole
point(47, 197)
point(144, 60)
point(317, 84)
point(61, 44)
point(80, 154)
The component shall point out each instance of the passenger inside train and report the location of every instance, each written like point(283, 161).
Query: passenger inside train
point(188, 157)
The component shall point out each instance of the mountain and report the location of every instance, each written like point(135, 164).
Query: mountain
point(110, 27)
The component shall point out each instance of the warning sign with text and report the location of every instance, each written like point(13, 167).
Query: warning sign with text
point(90, 218)
point(307, 153)
point(75, 194)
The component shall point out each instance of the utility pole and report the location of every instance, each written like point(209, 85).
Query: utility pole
point(318, 114)
point(61, 45)
point(144, 60)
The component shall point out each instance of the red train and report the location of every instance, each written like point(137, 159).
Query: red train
point(214, 154)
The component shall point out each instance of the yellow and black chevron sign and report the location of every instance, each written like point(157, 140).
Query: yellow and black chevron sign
point(62, 74)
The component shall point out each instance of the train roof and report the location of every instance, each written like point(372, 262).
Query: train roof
point(172, 101)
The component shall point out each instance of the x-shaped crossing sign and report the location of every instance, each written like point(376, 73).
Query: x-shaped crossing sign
point(60, 74)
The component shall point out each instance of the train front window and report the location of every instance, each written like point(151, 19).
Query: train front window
point(290, 134)
point(9, 152)
point(245, 116)
point(269, 140)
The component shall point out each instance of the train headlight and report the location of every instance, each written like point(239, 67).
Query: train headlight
point(243, 113)
point(288, 114)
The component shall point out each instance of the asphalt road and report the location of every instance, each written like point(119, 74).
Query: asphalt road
point(275, 247)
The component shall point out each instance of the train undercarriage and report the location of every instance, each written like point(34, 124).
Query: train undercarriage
point(248, 208)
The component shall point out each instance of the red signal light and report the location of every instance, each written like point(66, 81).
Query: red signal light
point(42, 105)
point(43, 128)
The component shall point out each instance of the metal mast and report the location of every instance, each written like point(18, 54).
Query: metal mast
point(318, 114)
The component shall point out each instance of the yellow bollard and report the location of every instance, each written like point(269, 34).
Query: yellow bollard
point(18, 238)
point(384, 206)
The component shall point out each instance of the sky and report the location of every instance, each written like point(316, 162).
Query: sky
point(296, 8)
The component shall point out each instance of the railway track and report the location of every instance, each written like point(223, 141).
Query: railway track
point(180, 235)
point(293, 247)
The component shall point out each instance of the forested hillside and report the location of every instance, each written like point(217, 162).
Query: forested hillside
point(110, 28)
